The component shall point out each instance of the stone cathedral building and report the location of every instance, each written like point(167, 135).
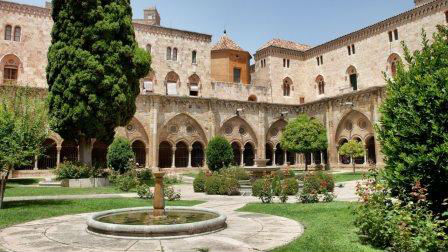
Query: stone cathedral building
point(199, 89)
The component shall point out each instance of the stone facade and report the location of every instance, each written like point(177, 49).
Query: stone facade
point(182, 106)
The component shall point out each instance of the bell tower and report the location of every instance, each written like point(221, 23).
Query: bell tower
point(151, 16)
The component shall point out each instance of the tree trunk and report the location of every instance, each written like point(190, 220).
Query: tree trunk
point(85, 150)
point(353, 163)
point(3, 180)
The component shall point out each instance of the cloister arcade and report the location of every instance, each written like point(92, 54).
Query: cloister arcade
point(182, 142)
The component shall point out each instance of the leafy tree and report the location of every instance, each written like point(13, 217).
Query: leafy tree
point(93, 72)
point(304, 135)
point(219, 153)
point(414, 123)
point(119, 155)
point(23, 129)
point(354, 149)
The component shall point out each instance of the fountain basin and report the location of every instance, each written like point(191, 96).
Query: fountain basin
point(139, 222)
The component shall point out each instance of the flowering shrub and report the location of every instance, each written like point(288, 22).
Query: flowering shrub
point(318, 182)
point(170, 194)
point(397, 225)
point(144, 192)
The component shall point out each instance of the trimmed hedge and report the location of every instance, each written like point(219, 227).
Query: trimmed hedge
point(219, 153)
point(119, 155)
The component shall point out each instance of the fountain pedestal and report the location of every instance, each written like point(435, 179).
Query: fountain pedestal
point(158, 202)
point(261, 169)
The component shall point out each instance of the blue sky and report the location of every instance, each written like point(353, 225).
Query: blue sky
point(251, 23)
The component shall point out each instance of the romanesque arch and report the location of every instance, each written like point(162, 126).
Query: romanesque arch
point(69, 151)
point(287, 86)
point(139, 149)
point(99, 153)
point(172, 81)
point(320, 84)
point(273, 138)
point(184, 134)
point(194, 85)
point(10, 65)
point(352, 76)
point(355, 125)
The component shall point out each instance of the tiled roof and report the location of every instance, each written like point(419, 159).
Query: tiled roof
point(286, 44)
point(225, 43)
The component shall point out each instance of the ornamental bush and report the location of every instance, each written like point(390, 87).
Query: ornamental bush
point(73, 170)
point(413, 127)
point(120, 155)
point(219, 153)
point(199, 182)
point(218, 184)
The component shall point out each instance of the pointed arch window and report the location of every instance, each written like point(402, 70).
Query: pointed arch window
point(321, 84)
point(393, 61)
point(353, 77)
point(287, 87)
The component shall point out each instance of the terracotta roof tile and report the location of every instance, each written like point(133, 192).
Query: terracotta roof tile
point(286, 44)
point(225, 43)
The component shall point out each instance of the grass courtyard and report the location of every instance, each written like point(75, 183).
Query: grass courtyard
point(328, 226)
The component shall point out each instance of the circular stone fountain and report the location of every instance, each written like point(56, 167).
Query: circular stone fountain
point(157, 221)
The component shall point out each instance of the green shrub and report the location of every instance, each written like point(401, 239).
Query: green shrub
point(171, 180)
point(219, 153)
point(282, 174)
point(329, 197)
point(266, 194)
point(212, 184)
point(218, 184)
point(257, 186)
point(414, 123)
point(235, 172)
point(199, 182)
point(290, 186)
point(318, 182)
point(120, 155)
point(308, 198)
point(73, 170)
point(144, 192)
point(144, 176)
point(125, 182)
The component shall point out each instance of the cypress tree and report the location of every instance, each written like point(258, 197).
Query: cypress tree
point(93, 72)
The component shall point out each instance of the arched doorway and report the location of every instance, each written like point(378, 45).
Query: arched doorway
point(99, 154)
point(165, 155)
point(181, 155)
point(279, 155)
point(269, 154)
point(69, 151)
point(371, 152)
point(343, 159)
point(249, 155)
point(291, 158)
point(359, 160)
point(49, 159)
point(317, 158)
point(139, 149)
point(236, 153)
point(197, 155)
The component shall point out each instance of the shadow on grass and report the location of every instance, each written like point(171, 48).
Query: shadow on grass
point(34, 203)
point(23, 181)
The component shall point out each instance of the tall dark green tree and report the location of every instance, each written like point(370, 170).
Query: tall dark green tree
point(94, 67)
point(304, 135)
point(414, 123)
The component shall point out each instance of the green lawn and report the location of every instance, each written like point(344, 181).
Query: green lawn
point(349, 176)
point(328, 226)
point(24, 211)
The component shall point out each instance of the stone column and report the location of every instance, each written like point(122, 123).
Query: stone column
point(312, 159)
point(274, 161)
point(58, 156)
point(147, 162)
point(242, 157)
point(322, 158)
point(154, 136)
point(286, 159)
point(173, 161)
point(366, 163)
point(159, 202)
point(255, 156)
point(36, 167)
point(190, 149)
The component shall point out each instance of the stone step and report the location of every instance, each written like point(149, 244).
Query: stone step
point(51, 183)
